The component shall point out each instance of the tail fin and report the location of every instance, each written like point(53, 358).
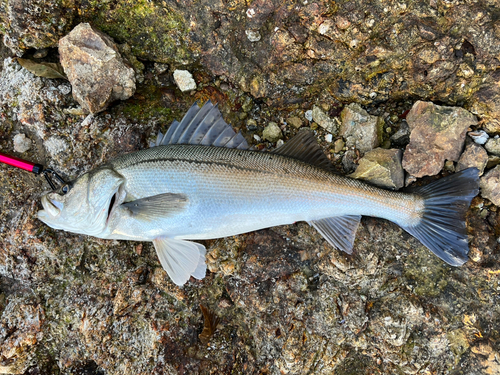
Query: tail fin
point(442, 227)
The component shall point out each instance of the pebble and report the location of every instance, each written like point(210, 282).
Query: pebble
point(479, 136)
point(295, 121)
point(253, 35)
point(184, 80)
point(490, 185)
point(381, 167)
point(339, 145)
point(309, 115)
point(21, 143)
point(323, 120)
point(437, 134)
point(402, 136)
point(272, 132)
point(473, 156)
point(328, 138)
point(360, 129)
point(251, 124)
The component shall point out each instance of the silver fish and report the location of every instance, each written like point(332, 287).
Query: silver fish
point(200, 182)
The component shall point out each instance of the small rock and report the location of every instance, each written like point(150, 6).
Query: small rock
point(360, 129)
point(95, 68)
point(323, 120)
point(493, 161)
point(490, 185)
point(338, 145)
point(309, 115)
point(381, 167)
point(257, 138)
point(280, 143)
point(272, 132)
point(251, 125)
point(184, 80)
point(493, 146)
point(473, 156)
point(21, 143)
point(253, 35)
point(295, 121)
point(437, 134)
point(328, 138)
point(402, 136)
point(479, 136)
point(349, 161)
point(41, 53)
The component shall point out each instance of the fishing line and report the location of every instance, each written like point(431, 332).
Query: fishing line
point(38, 169)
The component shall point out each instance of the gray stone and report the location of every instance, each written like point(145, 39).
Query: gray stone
point(381, 167)
point(360, 129)
point(490, 185)
point(493, 146)
point(272, 132)
point(322, 119)
point(437, 134)
point(95, 68)
point(402, 136)
point(21, 143)
point(184, 80)
point(479, 136)
point(473, 156)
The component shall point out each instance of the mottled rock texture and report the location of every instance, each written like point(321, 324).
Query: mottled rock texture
point(474, 155)
point(97, 72)
point(288, 302)
point(437, 135)
point(490, 185)
point(359, 129)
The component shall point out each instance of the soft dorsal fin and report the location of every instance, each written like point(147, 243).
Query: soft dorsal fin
point(304, 147)
point(339, 231)
point(202, 126)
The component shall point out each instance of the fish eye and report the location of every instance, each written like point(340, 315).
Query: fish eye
point(65, 188)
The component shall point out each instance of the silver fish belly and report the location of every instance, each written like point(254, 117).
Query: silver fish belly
point(200, 181)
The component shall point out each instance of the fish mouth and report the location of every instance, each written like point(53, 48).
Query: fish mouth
point(50, 207)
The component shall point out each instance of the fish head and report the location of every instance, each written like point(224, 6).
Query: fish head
point(83, 205)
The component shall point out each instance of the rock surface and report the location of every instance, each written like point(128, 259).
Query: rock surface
point(95, 68)
point(288, 302)
point(360, 129)
point(382, 168)
point(490, 185)
point(437, 134)
point(473, 156)
point(493, 146)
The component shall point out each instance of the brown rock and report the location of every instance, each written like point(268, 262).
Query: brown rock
point(437, 134)
point(381, 167)
point(473, 156)
point(95, 68)
point(360, 129)
point(490, 185)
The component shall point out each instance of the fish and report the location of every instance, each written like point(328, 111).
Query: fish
point(200, 180)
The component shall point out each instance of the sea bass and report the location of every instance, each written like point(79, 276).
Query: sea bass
point(200, 182)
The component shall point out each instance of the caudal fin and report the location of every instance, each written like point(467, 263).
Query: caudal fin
point(442, 227)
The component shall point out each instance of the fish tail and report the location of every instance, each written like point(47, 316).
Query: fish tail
point(442, 226)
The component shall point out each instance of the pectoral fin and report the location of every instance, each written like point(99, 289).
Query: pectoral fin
point(181, 259)
point(157, 206)
point(339, 231)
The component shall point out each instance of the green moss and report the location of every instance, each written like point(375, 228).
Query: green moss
point(154, 32)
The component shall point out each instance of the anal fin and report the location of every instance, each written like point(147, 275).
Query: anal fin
point(339, 231)
point(181, 259)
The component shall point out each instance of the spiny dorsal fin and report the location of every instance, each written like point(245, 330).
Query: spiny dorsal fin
point(202, 126)
point(304, 147)
point(339, 231)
